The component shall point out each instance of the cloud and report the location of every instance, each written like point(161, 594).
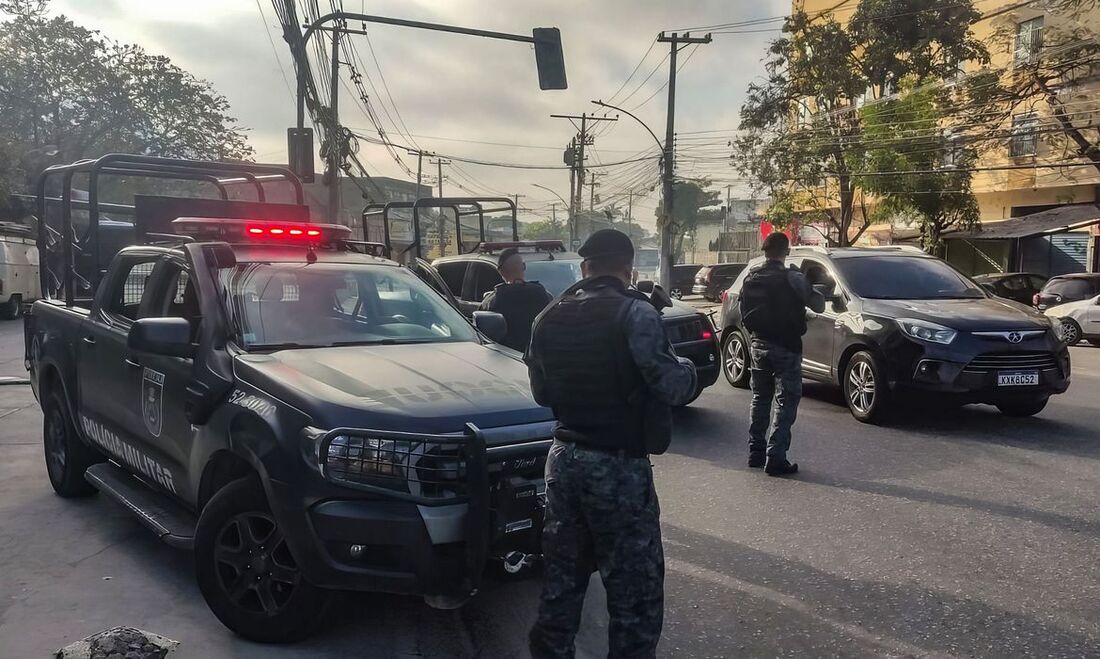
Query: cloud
point(468, 88)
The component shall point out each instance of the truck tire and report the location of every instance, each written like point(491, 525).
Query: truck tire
point(246, 572)
point(11, 309)
point(866, 390)
point(67, 457)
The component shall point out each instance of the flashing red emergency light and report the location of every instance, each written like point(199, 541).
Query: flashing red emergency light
point(537, 245)
point(230, 229)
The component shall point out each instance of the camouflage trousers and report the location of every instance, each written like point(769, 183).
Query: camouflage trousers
point(601, 513)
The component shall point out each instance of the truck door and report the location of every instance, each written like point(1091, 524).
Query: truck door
point(165, 427)
point(107, 382)
point(425, 271)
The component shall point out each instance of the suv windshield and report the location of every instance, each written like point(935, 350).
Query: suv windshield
point(555, 276)
point(309, 305)
point(905, 278)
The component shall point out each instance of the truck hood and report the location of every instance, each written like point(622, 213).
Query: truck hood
point(965, 315)
point(428, 388)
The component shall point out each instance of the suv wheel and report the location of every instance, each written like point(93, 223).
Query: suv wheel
point(1071, 331)
point(246, 572)
point(865, 389)
point(11, 309)
point(1022, 408)
point(67, 457)
point(736, 359)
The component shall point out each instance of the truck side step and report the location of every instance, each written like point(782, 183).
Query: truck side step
point(172, 523)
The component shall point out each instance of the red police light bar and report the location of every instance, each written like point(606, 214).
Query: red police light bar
point(219, 228)
point(537, 245)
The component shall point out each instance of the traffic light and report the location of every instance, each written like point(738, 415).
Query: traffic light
point(549, 58)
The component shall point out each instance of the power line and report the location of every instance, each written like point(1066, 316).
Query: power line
point(274, 49)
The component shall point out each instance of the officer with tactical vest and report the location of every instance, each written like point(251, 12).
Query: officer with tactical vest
point(517, 300)
point(773, 304)
point(599, 357)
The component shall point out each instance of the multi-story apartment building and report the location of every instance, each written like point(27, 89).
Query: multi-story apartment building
point(1021, 174)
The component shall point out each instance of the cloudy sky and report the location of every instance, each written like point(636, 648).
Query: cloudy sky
point(451, 93)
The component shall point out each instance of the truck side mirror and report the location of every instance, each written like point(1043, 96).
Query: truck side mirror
point(170, 337)
point(491, 324)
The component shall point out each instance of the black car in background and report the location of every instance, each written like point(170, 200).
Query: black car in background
point(682, 279)
point(900, 321)
point(1068, 288)
point(711, 280)
point(469, 277)
point(1019, 286)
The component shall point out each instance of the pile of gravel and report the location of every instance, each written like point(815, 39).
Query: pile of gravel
point(119, 643)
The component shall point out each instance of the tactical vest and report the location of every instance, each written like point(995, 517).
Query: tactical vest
point(519, 304)
point(591, 381)
point(771, 309)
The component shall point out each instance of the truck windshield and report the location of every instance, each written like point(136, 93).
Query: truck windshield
point(905, 278)
point(312, 305)
point(555, 276)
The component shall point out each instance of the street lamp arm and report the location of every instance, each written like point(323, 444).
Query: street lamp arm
point(543, 187)
point(635, 118)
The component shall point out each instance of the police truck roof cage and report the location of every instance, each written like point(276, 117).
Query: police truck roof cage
point(461, 206)
point(522, 245)
point(58, 270)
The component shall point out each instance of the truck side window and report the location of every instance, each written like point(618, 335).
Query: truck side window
point(485, 278)
point(452, 274)
point(177, 299)
point(127, 298)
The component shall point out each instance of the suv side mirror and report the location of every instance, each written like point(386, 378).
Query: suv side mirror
point(491, 324)
point(827, 291)
point(170, 337)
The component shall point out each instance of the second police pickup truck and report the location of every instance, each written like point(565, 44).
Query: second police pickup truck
point(304, 415)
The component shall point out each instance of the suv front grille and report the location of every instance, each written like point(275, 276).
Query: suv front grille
point(1001, 361)
point(684, 331)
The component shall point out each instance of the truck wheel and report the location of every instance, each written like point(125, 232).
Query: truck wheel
point(865, 388)
point(67, 457)
point(11, 309)
point(246, 572)
point(1022, 408)
point(736, 361)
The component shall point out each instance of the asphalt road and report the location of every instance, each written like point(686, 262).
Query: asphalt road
point(954, 532)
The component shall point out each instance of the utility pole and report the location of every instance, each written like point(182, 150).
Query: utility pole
point(573, 195)
point(554, 212)
point(629, 211)
point(516, 197)
point(442, 228)
point(592, 190)
point(729, 207)
point(676, 42)
point(583, 139)
point(419, 168)
point(334, 134)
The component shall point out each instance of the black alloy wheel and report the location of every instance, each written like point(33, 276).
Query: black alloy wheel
point(247, 573)
point(67, 457)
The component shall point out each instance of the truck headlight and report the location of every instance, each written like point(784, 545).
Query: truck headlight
point(926, 331)
point(354, 458)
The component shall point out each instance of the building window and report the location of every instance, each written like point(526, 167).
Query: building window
point(1029, 40)
point(951, 154)
point(1025, 140)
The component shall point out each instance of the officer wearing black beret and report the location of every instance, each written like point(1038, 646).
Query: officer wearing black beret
point(599, 357)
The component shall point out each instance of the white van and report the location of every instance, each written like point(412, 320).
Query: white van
point(19, 283)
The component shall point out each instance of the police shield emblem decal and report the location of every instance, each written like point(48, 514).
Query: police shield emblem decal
point(152, 400)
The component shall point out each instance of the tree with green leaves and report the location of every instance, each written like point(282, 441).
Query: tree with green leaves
point(689, 201)
point(921, 172)
point(547, 229)
point(802, 139)
point(1041, 91)
point(77, 94)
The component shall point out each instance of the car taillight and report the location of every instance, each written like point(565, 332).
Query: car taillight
point(707, 335)
point(1036, 299)
point(723, 296)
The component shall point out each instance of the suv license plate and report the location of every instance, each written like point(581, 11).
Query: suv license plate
point(1018, 379)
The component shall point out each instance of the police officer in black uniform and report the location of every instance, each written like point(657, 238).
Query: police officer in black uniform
point(599, 357)
point(517, 300)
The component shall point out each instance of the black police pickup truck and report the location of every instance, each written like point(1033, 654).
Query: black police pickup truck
point(304, 416)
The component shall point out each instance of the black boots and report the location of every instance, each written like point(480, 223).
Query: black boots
point(757, 459)
point(780, 467)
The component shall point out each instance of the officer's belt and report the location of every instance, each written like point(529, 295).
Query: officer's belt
point(620, 453)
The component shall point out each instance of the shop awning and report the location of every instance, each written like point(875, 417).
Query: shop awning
point(1056, 220)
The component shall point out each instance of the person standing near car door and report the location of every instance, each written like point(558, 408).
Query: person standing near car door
point(773, 309)
point(600, 358)
point(519, 301)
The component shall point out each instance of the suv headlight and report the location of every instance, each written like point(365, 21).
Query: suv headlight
point(926, 331)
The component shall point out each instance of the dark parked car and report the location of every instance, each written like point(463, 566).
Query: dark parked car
point(899, 320)
point(711, 280)
point(1068, 288)
point(469, 277)
point(682, 279)
point(1019, 286)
